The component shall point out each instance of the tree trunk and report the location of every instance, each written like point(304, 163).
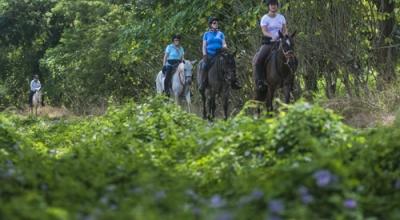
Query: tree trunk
point(385, 54)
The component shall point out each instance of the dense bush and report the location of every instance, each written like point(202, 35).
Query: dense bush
point(154, 161)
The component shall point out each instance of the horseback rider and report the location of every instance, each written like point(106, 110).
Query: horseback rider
point(35, 86)
point(174, 54)
point(213, 40)
point(271, 24)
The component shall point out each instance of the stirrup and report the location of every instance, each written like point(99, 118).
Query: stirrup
point(236, 85)
point(261, 85)
point(166, 92)
point(201, 87)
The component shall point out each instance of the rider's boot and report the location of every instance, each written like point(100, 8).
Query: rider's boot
point(259, 74)
point(30, 100)
point(203, 80)
point(166, 92)
point(235, 84)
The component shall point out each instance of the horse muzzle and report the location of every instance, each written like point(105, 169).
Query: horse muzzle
point(189, 81)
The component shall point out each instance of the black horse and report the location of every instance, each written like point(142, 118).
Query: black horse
point(221, 73)
point(280, 67)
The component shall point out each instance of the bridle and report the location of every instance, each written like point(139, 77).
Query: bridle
point(183, 82)
point(288, 55)
point(224, 71)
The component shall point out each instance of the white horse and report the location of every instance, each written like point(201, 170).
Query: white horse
point(37, 102)
point(181, 81)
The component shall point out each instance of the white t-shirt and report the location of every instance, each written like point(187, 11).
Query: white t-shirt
point(274, 25)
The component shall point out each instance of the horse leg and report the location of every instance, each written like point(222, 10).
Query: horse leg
point(226, 95)
point(188, 99)
point(203, 98)
point(286, 91)
point(270, 97)
point(212, 107)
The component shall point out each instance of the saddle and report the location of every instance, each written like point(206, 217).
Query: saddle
point(273, 50)
point(220, 52)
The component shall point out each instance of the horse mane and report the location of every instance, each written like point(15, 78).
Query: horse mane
point(181, 67)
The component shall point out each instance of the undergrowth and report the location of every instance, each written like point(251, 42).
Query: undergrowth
point(152, 160)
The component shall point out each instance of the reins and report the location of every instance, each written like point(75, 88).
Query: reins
point(288, 54)
point(220, 69)
point(183, 84)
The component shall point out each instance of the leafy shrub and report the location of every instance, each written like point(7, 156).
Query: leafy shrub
point(154, 161)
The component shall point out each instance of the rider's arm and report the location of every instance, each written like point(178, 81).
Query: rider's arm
point(165, 59)
point(204, 47)
point(267, 34)
point(284, 31)
point(224, 44)
point(39, 86)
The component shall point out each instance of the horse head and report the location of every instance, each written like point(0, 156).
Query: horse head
point(229, 65)
point(287, 47)
point(188, 68)
point(38, 96)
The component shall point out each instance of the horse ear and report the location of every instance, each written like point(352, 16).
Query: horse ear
point(280, 34)
point(294, 33)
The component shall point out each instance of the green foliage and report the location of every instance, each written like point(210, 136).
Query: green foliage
point(152, 160)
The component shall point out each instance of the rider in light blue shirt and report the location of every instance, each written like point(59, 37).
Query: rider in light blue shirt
point(174, 54)
point(35, 86)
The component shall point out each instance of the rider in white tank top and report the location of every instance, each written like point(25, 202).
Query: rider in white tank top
point(274, 25)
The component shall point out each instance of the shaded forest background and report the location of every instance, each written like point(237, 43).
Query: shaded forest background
point(89, 54)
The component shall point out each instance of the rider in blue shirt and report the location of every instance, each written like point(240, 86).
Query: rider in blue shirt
point(174, 54)
point(213, 40)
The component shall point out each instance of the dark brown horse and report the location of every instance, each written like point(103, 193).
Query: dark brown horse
point(221, 72)
point(280, 67)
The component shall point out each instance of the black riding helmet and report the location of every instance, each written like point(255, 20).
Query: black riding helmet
point(211, 19)
point(176, 36)
point(272, 2)
point(36, 77)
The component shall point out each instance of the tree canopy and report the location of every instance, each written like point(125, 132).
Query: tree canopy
point(88, 51)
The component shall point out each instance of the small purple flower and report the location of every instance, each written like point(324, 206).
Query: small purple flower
point(139, 118)
point(10, 163)
point(303, 190)
point(208, 143)
point(275, 207)
point(397, 184)
point(281, 149)
point(196, 211)
point(307, 198)
point(273, 218)
point(159, 195)
point(257, 194)
point(323, 177)
point(199, 142)
point(137, 190)
point(244, 200)
point(247, 153)
point(350, 203)
point(216, 201)
point(307, 106)
point(224, 216)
